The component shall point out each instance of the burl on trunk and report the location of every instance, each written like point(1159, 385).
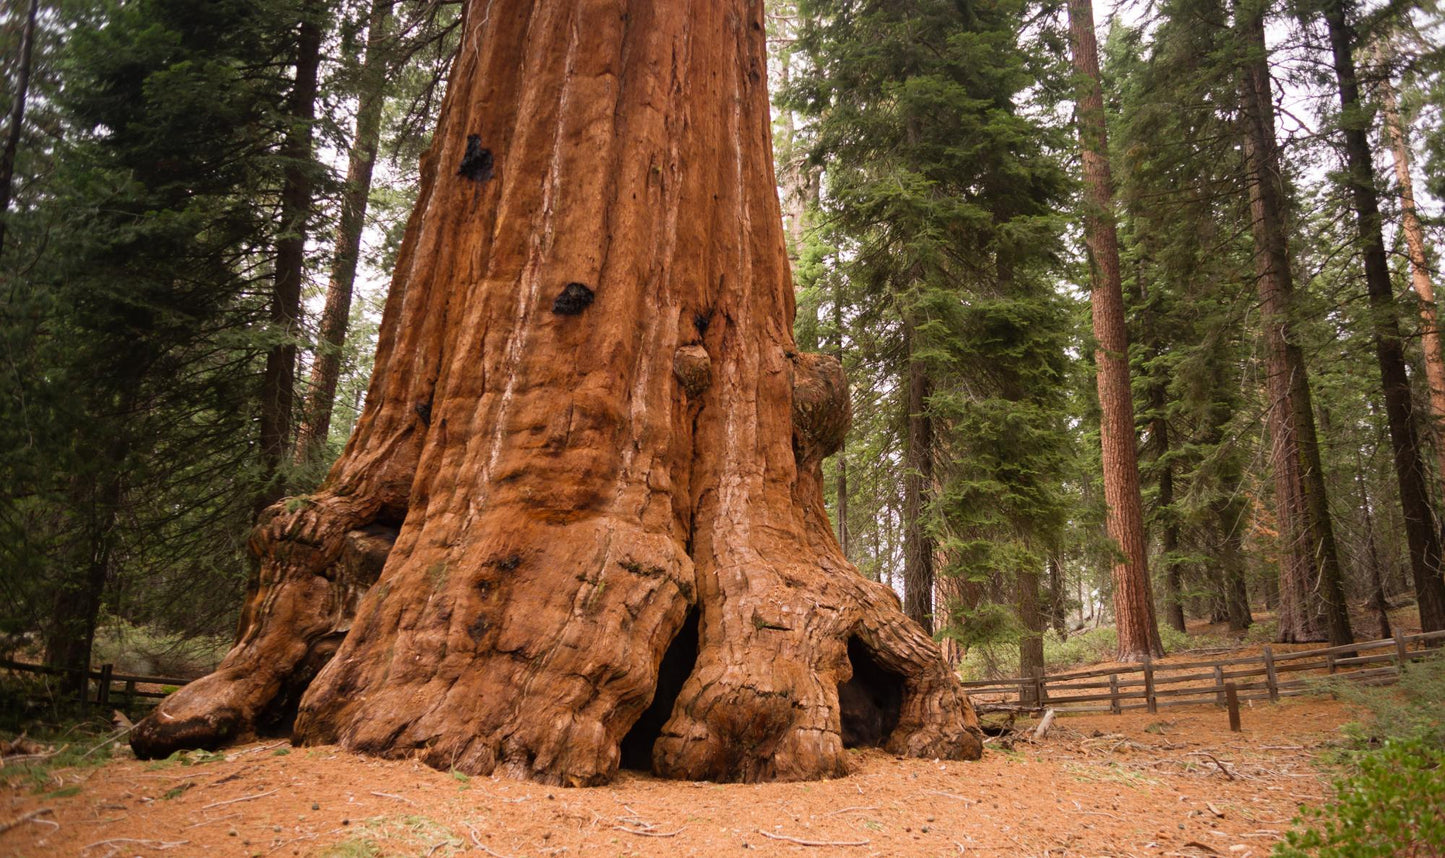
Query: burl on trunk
point(587, 481)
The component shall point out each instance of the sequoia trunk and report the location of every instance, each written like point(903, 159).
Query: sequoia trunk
point(596, 448)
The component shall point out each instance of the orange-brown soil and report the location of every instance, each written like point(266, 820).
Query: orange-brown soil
point(1177, 783)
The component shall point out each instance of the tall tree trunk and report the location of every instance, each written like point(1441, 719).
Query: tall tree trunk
point(1421, 531)
point(1058, 614)
point(278, 385)
point(1031, 643)
point(1229, 518)
point(1430, 338)
point(1378, 602)
point(841, 462)
point(1173, 569)
point(1311, 593)
point(1133, 599)
point(17, 116)
point(612, 540)
point(918, 547)
point(326, 368)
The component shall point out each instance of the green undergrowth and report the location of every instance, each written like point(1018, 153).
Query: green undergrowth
point(1389, 790)
point(146, 651)
point(77, 744)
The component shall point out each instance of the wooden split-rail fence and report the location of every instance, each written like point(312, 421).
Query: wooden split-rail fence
point(1269, 675)
point(105, 681)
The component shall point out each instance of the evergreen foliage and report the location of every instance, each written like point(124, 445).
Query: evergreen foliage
point(940, 195)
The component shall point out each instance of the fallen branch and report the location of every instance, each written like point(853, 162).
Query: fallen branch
point(241, 799)
point(146, 844)
point(210, 821)
point(477, 842)
point(120, 735)
point(813, 842)
point(962, 798)
point(389, 795)
point(1215, 760)
point(647, 833)
point(24, 818)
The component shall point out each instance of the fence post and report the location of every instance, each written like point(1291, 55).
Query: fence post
point(1270, 679)
point(1330, 660)
point(129, 693)
point(1039, 695)
point(102, 694)
point(1400, 654)
point(1218, 685)
point(1114, 694)
point(1231, 697)
point(1149, 685)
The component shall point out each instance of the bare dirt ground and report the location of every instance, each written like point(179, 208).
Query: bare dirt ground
point(1177, 783)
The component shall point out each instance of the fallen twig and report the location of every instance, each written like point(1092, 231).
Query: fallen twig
point(147, 844)
point(119, 735)
point(647, 833)
point(389, 795)
point(259, 749)
point(962, 798)
point(210, 821)
point(860, 807)
point(241, 799)
point(801, 842)
point(477, 842)
point(1215, 760)
point(24, 818)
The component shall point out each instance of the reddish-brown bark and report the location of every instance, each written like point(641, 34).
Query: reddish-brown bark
point(1311, 594)
point(1133, 596)
point(612, 537)
point(1430, 339)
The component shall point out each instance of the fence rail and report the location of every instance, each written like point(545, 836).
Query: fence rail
point(105, 679)
point(1257, 677)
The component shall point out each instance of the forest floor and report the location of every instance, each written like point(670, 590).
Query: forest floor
point(1132, 784)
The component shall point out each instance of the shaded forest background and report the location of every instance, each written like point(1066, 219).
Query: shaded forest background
point(202, 201)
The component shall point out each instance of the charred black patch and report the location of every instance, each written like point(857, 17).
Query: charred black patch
point(423, 411)
point(701, 321)
point(676, 667)
point(476, 161)
point(508, 563)
point(478, 628)
point(574, 299)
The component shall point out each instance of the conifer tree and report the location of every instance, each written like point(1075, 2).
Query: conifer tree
point(1133, 591)
point(1420, 526)
point(940, 189)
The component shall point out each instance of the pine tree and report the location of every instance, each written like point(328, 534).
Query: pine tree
point(939, 190)
point(1133, 592)
point(1421, 530)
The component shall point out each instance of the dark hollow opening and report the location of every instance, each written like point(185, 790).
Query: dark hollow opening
point(677, 665)
point(868, 703)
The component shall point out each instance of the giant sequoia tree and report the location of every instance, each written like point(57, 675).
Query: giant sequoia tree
point(588, 472)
